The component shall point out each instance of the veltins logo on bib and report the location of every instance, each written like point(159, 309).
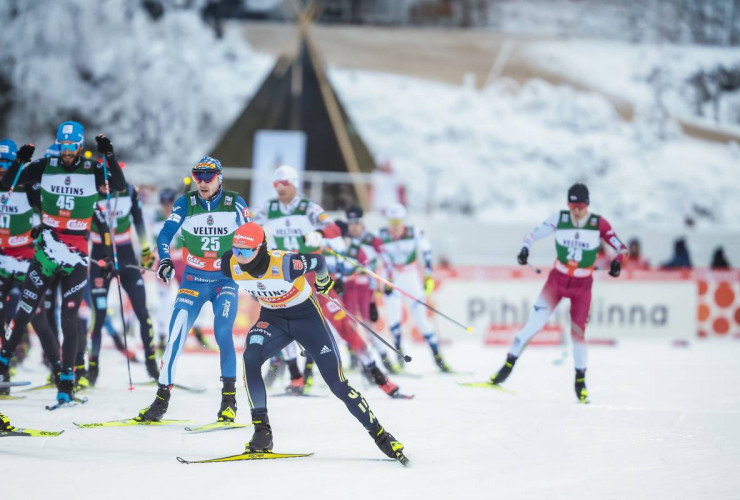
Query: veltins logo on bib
point(68, 181)
point(209, 220)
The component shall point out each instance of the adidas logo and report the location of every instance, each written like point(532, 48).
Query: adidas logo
point(324, 350)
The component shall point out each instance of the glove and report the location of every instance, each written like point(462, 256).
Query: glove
point(429, 284)
point(104, 145)
point(107, 271)
point(166, 270)
point(373, 312)
point(523, 256)
point(35, 231)
point(323, 286)
point(313, 239)
point(339, 285)
point(25, 153)
point(615, 268)
point(388, 290)
point(147, 258)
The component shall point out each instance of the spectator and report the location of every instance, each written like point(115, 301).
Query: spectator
point(719, 261)
point(634, 257)
point(681, 258)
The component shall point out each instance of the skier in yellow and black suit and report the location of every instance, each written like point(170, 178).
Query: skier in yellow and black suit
point(290, 311)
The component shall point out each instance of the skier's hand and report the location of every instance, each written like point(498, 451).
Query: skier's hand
point(429, 284)
point(373, 312)
point(323, 286)
point(615, 269)
point(36, 230)
point(339, 285)
point(104, 145)
point(166, 270)
point(313, 239)
point(25, 153)
point(523, 256)
point(147, 258)
point(388, 290)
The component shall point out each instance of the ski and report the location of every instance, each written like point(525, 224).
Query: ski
point(399, 395)
point(4, 385)
point(29, 433)
point(130, 421)
point(298, 395)
point(245, 456)
point(10, 397)
point(486, 385)
point(48, 385)
point(215, 426)
point(402, 458)
point(195, 390)
point(405, 374)
point(62, 404)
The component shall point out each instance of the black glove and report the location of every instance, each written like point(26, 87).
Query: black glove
point(36, 230)
point(373, 312)
point(615, 268)
point(166, 270)
point(324, 286)
point(523, 256)
point(388, 290)
point(104, 145)
point(25, 153)
point(107, 271)
point(339, 285)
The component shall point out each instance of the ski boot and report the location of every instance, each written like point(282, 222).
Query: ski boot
point(81, 380)
point(155, 411)
point(581, 392)
point(388, 364)
point(382, 381)
point(440, 362)
point(308, 375)
point(65, 386)
point(296, 386)
point(261, 441)
point(93, 370)
point(4, 372)
point(227, 412)
point(505, 370)
point(5, 424)
point(274, 370)
point(385, 441)
point(151, 366)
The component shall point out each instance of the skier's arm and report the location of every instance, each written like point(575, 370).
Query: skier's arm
point(425, 250)
point(610, 237)
point(31, 174)
point(138, 215)
point(297, 265)
point(171, 226)
point(322, 222)
point(260, 215)
point(545, 229)
point(242, 211)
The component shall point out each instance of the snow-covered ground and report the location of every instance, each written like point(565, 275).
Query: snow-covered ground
point(638, 72)
point(663, 424)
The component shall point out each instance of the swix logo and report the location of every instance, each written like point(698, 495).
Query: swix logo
point(209, 220)
point(76, 225)
point(18, 240)
point(50, 221)
point(262, 324)
point(227, 308)
point(68, 181)
point(195, 262)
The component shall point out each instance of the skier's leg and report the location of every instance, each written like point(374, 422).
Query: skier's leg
point(225, 307)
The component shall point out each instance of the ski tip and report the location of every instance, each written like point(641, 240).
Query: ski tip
point(182, 460)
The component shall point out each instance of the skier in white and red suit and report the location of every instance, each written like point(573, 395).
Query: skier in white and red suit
point(578, 235)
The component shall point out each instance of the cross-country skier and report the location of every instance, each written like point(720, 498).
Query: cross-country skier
point(69, 190)
point(299, 224)
point(403, 246)
point(207, 219)
point(290, 311)
point(578, 235)
point(124, 209)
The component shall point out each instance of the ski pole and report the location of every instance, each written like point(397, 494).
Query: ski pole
point(15, 181)
point(111, 233)
point(535, 269)
point(406, 357)
point(467, 328)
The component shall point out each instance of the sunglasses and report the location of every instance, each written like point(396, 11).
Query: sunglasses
point(204, 176)
point(580, 205)
point(69, 147)
point(245, 253)
point(281, 183)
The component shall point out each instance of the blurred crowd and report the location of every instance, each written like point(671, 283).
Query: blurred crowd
point(681, 258)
